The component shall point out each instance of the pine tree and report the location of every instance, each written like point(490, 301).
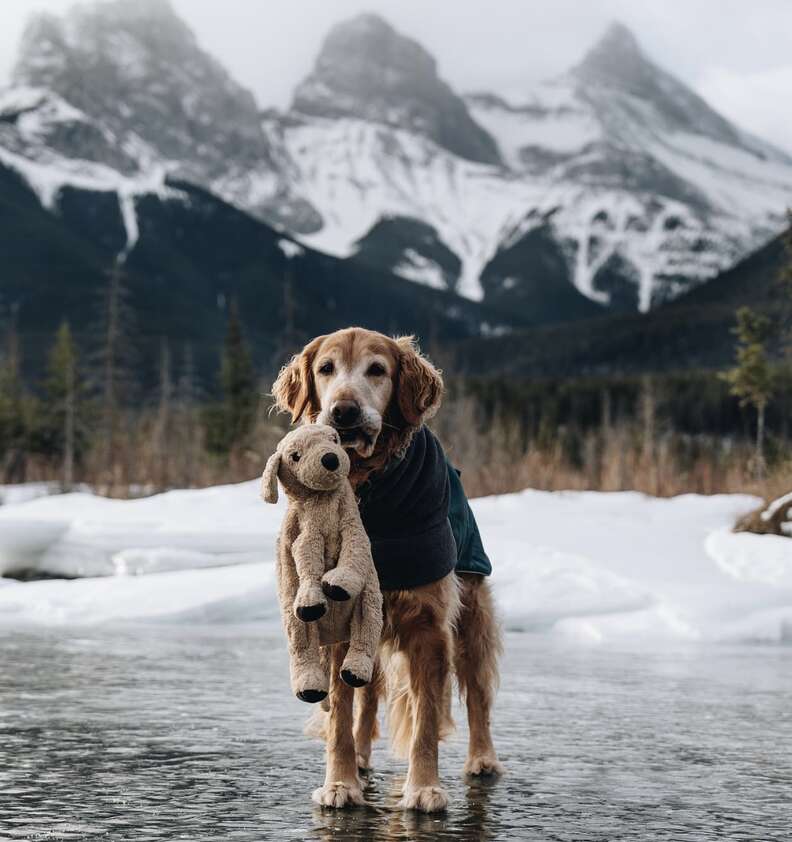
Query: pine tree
point(751, 379)
point(14, 411)
point(60, 427)
point(164, 421)
point(229, 424)
point(116, 359)
point(785, 278)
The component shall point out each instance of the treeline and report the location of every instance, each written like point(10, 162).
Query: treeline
point(88, 420)
point(663, 435)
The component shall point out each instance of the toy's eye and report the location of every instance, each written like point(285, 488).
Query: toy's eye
point(295, 457)
point(375, 370)
point(326, 368)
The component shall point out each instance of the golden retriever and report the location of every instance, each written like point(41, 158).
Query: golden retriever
point(377, 392)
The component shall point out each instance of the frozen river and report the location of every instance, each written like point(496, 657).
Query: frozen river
point(165, 732)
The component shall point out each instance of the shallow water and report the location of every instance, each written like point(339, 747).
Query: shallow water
point(191, 733)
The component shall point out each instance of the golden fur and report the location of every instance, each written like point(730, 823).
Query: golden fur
point(430, 632)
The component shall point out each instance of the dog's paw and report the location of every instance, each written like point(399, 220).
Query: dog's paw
point(425, 799)
point(484, 765)
point(363, 762)
point(338, 795)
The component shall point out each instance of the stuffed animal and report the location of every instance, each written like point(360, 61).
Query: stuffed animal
point(323, 554)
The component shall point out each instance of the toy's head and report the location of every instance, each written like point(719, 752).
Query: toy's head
point(307, 459)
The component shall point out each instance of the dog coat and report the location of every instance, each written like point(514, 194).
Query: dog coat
point(418, 519)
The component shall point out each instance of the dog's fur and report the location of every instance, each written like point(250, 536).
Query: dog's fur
point(430, 632)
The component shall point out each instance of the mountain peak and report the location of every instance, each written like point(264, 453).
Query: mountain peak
point(615, 59)
point(618, 38)
point(136, 67)
point(367, 70)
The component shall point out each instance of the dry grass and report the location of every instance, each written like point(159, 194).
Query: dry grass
point(496, 457)
point(622, 457)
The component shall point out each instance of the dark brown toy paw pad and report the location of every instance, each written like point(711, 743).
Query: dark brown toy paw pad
point(309, 613)
point(351, 679)
point(311, 696)
point(334, 592)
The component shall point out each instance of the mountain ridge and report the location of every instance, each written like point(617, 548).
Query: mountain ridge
point(613, 185)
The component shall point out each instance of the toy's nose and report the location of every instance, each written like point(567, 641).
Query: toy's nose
point(330, 461)
point(346, 413)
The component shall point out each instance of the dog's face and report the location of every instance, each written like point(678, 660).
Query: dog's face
point(310, 457)
point(359, 381)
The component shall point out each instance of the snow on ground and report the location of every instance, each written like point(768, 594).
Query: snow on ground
point(590, 567)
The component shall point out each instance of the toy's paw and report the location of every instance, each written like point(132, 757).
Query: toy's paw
point(341, 584)
point(310, 682)
point(484, 765)
point(310, 613)
point(312, 696)
point(357, 669)
point(425, 799)
point(352, 680)
point(338, 795)
point(309, 604)
point(335, 592)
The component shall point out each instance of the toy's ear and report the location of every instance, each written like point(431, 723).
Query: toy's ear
point(419, 387)
point(269, 479)
point(294, 389)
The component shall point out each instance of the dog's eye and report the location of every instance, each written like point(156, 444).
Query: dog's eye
point(295, 457)
point(326, 368)
point(375, 370)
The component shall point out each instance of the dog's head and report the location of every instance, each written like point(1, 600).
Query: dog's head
point(310, 457)
point(369, 387)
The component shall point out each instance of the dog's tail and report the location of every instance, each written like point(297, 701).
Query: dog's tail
point(401, 714)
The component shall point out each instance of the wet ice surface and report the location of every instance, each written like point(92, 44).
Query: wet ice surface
point(191, 733)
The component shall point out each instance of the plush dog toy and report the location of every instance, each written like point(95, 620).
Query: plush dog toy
point(323, 554)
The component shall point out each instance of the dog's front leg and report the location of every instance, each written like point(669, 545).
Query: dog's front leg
point(342, 786)
point(427, 644)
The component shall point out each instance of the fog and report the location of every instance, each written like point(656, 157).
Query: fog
point(735, 54)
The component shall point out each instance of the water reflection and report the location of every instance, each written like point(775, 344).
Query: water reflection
point(189, 733)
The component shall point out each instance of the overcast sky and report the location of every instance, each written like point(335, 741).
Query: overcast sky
point(737, 54)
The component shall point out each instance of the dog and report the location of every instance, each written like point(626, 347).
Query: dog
point(377, 392)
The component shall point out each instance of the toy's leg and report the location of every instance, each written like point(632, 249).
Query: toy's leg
point(342, 785)
point(478, 647)
point(364, 638)
point(308, 552)
point(344, 581)
point(348, 578)
point(309, 678)
point(366, 726)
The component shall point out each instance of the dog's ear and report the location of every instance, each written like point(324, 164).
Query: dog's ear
point(294, 389)
point(269, 479)
point(419, 386)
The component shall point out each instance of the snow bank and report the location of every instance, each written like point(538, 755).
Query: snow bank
point(83, 535)
point(586, 566)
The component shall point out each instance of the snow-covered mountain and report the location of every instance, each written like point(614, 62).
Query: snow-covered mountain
point(613, 184)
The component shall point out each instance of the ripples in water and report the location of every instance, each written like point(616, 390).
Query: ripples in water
point(191, 733)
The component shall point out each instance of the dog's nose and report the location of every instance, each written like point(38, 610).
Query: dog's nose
point(346, 413)
point(330, 461)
